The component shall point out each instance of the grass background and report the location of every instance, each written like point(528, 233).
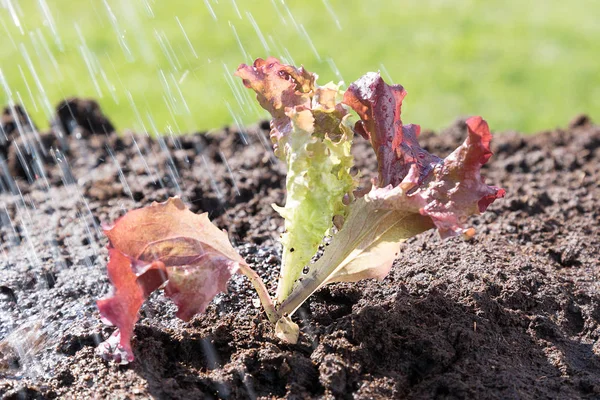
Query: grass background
point(524, 65)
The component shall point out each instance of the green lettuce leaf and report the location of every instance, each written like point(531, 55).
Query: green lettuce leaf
point(311, 133)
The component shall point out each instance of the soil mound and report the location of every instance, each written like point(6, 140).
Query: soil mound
point(512, 314)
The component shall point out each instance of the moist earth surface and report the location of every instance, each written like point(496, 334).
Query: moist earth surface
point(513, 313)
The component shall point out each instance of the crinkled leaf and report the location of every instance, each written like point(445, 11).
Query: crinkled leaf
point(163, 242)
point(452, 190)
point(311, 134)
point(379, 107)
point(411, 179)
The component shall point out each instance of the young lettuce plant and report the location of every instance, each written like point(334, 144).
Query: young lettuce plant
point(311, 134)
point(166, 245)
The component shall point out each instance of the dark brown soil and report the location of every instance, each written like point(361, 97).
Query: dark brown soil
point(512, 314)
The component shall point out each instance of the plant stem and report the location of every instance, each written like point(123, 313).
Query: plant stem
point(263, 294)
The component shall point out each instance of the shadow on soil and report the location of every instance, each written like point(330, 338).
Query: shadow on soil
point(429, 347)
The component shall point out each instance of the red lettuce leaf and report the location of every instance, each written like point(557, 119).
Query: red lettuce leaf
point(279, 87)
point(164, 242)
point(410, 178)
point(122, 308)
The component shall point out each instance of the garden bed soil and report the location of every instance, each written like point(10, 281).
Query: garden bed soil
point(513, 313)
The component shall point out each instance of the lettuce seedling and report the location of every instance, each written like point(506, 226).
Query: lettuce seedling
point(166, 245)
point(311, 133)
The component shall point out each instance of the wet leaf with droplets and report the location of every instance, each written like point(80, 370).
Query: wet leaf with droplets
point(158, 244)
point(311, 133)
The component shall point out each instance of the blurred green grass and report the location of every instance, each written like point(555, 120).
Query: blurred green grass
point(526, 66)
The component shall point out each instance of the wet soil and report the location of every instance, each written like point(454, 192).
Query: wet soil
point(512, 314)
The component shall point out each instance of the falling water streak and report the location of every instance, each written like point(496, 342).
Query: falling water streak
point(35, 133)
point(310, 42)
point(213, 182)
point(235, 186)
point(185, 74)
point(172, 114)
point(35, 106)
point(111, 88)
point(32, 252)
point(5, 86)
point(333, 14)
point(91, 238)
point(289, 55)
point(49, 54)
point(122, 178)
point(237, 93)
point(170, 47)
point(284, 54)
point(114, 68)
point(386, 74)
point(259, 33)
point(186, 37)
point(134, 26)
point(173, 172)
point(147, 149)
point(6, 220)
point(245, 55)
point(238, 123)
point(88, 63)
point(290, 15)
point(212, 361)
point(24, 141)
point(243, 96)
point(279, 14)
point(8, 34)
point(183, 101)
point(66, 175)
point(99, 16)
point(13, 13)
point(45, 101)
point(136, 111)
point(167, 89)
point(243, 373)
point(236, 8)
point(175, 65)
point(24, 163)
point(14, 189)
point(39, 169)
point(150, 173)
point(210, 10)
point(50, 21)
point(37, 50)
point(268, 148)
point(307, 327)
point(335, 70)
point(148, 8)
point(119, 32)
point(69, 182)
point(183, 53)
